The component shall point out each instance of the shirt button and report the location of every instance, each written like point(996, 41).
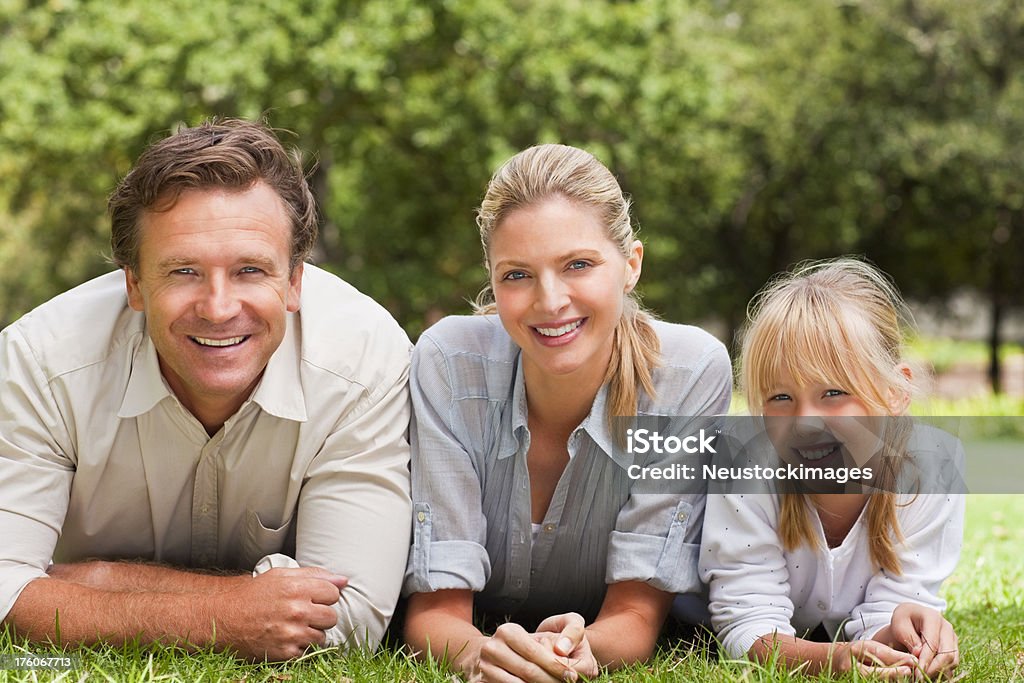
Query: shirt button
point(682, 516)
point(822, 606)
point(421, 516)
point(549, 528)
point(204, 509)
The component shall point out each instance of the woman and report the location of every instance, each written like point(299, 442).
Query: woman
point(523, 504)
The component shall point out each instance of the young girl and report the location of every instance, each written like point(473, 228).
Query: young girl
point(859, 571)
point(522, 504)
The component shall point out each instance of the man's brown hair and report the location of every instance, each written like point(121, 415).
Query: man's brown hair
point(231, 154)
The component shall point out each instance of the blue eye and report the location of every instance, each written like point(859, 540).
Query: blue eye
point(183, 271)
point(579, 265)
point(832, 393)
point(250, 269)
point(514, 275)
point(780, 397)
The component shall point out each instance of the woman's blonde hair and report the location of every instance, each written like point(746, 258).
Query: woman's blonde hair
point(839, 322)
point(547, 171)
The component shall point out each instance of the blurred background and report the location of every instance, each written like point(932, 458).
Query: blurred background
point(751, 134)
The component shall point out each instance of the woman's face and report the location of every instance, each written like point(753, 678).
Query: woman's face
point(820, 425)
point(559, 284)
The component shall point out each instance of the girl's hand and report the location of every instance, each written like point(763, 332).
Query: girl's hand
point(870, 657)
point(512, 655)
point(567, 636)
point(926, 634)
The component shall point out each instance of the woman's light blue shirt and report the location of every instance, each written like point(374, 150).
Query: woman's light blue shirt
point(471, 487)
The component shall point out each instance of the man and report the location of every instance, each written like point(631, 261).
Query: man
point(215, 405)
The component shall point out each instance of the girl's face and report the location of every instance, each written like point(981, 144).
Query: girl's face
point(559, 284)
point(820, 425)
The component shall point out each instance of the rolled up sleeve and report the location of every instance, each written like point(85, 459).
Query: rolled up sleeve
point(658, 548)
point(448, 522)
point(35, 470)
point(657, 535)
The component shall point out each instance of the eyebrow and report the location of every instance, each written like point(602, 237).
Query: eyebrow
point(569, 256)
point(175, 262)
point(264, 262)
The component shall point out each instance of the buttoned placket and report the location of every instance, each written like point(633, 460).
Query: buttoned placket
point(205, 503)
point(545, 542)
point(520, 538)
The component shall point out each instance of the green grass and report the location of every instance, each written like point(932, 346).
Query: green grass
point(985, 596)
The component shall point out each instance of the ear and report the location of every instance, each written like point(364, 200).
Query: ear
point(135, 298)
point(294, 289)
point(899, 399)
point(634, 264)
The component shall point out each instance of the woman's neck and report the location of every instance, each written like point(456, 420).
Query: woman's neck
point(561, 402)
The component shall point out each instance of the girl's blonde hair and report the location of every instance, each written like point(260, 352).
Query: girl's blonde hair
point(839, 322)
point(547, 171)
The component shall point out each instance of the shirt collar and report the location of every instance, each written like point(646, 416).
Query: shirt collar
point(280, 389)
point(146, 386)
point(595, 424)
point(278, 393)
point(514, 422)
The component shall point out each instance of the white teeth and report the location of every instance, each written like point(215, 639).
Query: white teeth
point(558, 331)
point(816, 454)
point(218, 342)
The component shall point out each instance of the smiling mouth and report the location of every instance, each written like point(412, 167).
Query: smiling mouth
point(816, 453)
point(559, 331)
point(220, 343)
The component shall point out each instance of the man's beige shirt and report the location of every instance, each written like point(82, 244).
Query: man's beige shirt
point(98, 458)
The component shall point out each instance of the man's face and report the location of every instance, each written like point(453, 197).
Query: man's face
point(213, 280)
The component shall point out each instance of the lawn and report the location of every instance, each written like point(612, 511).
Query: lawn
point(985, 594)
point(986, 598)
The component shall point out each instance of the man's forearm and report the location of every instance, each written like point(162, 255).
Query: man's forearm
point(123, 577)
point(276, 615)
point(57, 610)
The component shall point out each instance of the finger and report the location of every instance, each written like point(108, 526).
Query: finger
point(905, 631)
point(320, 573)
point(571, 634)
point(491, 673)
point(886, 673)
point(321, 617)
point(930, 628)
point(513, 650)
point(876, 654)
point(947, 655)
point(499, 658)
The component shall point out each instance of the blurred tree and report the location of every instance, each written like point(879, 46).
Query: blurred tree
point(750, 133)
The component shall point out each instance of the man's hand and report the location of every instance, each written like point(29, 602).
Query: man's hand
point(278, 614)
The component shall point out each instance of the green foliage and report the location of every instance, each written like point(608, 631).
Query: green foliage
point(750, 134)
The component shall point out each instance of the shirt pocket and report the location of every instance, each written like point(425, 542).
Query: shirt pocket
point(258, 540)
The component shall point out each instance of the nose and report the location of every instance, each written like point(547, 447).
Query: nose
point(552, 294)
point(218, 302)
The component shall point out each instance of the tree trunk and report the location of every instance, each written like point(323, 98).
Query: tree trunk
point(994, 342)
